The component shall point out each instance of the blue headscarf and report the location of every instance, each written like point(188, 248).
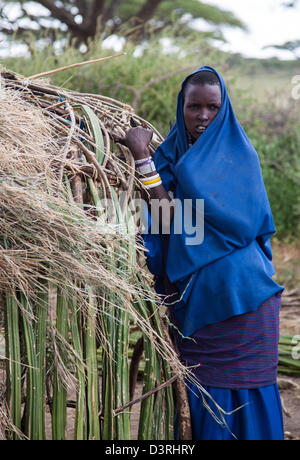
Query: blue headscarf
point(231, 271)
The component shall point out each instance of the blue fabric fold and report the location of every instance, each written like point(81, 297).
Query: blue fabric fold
point(259, 417)
point(230, 271)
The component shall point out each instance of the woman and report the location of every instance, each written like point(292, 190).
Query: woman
point(227, 301)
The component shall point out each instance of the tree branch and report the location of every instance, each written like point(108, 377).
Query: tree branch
point(60, 13)
point(138, 92)
point(91, 22)
point(146, 395)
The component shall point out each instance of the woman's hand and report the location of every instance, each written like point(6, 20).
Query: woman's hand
point(137, 140)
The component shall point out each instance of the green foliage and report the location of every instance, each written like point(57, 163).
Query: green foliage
point(127, 78)
point(272, 124)
point(259, 90)
point(281, 171)
point(198, 9)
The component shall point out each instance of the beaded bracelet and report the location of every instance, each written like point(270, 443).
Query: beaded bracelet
point(153, 185)
point(146, 167)
point(152, 181)
point(139, 162)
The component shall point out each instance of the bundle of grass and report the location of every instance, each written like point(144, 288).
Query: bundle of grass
point(72, 278)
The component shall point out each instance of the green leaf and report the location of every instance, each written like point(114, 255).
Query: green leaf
point(95, 131)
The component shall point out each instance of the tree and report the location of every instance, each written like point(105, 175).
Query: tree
point(290, 4)
point(294, 45)
point(82, 19)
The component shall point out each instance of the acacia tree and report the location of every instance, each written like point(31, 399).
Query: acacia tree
point(81, 19)
point(293, 45)
point(291, 3)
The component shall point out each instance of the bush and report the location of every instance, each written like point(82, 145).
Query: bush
point(275, 134)
point(151, 80)
point(280, 168)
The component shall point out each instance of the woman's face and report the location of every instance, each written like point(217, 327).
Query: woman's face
point(201, 105)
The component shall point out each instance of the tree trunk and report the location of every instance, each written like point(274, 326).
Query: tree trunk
point(148, 9)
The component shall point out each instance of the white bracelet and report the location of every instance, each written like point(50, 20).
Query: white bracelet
point(146, 169)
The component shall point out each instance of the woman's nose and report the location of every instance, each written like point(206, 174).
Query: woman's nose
point(203, 115)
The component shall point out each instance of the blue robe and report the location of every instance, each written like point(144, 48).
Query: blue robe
point(229, 272)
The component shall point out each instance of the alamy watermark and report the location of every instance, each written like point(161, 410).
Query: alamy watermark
point(161, 216)
point(296, 87)
point(296, 347)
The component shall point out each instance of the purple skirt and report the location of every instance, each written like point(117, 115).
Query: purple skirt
point(237, 365)
point(240, 352)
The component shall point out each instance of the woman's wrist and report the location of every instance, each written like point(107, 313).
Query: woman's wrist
point(138, 140)
point(140, 153)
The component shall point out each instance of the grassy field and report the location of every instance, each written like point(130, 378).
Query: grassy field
point(265, 79)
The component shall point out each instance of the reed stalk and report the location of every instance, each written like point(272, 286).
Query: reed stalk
point(147, 406)
point(40, 330)
point(80, 429)
point(13, 368)
point(59, 402)
point(289, 353)
point(34, 335)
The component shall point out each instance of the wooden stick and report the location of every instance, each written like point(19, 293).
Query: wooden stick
point(78, 64)
point(183, 406)
point(76, 182)
point(146, 395)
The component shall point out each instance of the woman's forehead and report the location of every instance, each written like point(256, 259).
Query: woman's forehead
point(204, 92)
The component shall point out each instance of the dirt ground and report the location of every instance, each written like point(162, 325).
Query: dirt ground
point(290, 398)
point(286, 259)
point(289, 385)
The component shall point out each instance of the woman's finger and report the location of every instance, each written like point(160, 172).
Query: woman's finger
point(120, 140)
point(133, 123)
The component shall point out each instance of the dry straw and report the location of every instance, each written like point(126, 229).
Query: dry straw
point(77, 298)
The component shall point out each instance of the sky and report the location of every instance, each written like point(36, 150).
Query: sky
point(268, 23)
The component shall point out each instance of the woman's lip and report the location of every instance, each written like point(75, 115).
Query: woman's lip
point(200, 129)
